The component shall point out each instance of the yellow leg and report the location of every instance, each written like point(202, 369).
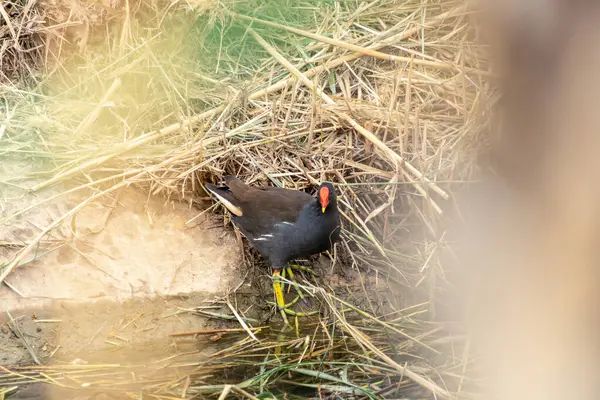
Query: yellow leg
point(279, 295)
point(277, 289)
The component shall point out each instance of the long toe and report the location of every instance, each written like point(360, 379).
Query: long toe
point(302, 268)
point(285, 306)
point(299, 314)
point(294, 283)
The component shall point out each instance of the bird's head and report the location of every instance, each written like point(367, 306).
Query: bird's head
point(327, 195)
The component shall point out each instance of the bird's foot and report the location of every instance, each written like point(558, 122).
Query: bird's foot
point(284, 309)
point(288, 271)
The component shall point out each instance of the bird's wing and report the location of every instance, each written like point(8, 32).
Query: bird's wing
point(259, 208)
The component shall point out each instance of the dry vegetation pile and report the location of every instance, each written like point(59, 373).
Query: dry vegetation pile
point(20, 36)
point(382, 98)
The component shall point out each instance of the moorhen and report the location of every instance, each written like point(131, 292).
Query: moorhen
point(282, 224)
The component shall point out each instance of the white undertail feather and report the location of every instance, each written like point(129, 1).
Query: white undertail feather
point(232, 209)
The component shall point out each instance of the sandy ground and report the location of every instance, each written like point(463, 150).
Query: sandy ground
point(119, 285)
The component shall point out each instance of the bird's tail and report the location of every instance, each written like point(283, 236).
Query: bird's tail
point(224, 195)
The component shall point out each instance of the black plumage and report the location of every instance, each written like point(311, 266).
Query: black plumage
point(282, 224)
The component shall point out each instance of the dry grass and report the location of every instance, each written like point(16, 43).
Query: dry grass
point(325, 358)
point(380, 98)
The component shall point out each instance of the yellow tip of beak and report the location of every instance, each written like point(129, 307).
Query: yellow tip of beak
point(323, 209)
